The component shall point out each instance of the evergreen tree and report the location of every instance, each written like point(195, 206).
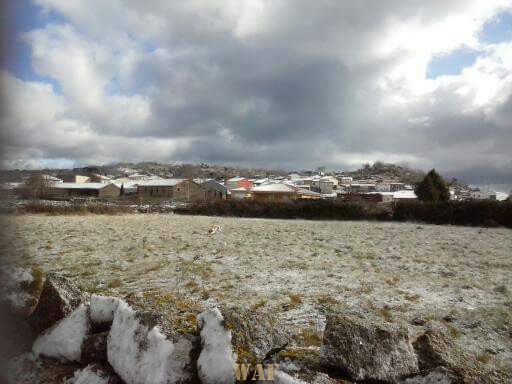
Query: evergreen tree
point(432, 188)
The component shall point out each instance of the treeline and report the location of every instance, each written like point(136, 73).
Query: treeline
point(470, 213)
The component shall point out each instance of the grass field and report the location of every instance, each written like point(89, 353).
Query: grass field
point(298, 269)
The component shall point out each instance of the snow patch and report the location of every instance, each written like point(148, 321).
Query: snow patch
point(145, 356)
point(282, 378)
point(88, 375)
point(64, 340)
point(103, 308)
point(216, 360)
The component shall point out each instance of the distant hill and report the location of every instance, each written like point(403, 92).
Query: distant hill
point(380, 169)
point(388, 170)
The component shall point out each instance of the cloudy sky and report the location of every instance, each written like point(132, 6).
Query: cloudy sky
point(274, 83)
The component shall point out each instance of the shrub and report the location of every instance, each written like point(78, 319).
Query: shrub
point(312, 210)
point(475, 213)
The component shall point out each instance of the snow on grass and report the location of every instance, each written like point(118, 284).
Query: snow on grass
point(88, 375)
point(64, 340)
point(103, 308)
point(215, 363)
point(143, 355)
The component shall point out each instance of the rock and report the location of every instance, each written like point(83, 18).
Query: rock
point(365, 350)
point(148, 348)
point(255, 334)
point(438, 375)
point(64, 340)
point(435, 348)
point(419, 321)
point(95, 374)
point(59, 297)
point(94, 348)
point(102, 311)
point(235, 335)
point(20, 289)
point(215, 362)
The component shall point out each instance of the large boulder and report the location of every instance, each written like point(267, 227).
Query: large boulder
point(436, 348)
point(64, 340)
point(149, 347)
point(235, 335)
point(20, 289)
point(365, 350)
point(59, 297)
point(255, 334)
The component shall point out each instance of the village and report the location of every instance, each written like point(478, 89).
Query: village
point(152, 188)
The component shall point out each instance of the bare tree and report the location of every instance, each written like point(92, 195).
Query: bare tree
point(36, 186)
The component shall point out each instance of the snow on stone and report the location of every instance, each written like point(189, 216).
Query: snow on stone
point(216, 360)
point(88, 375)
point(145, 356)
point(279, 377)
point(64, 340)
point(103, 308)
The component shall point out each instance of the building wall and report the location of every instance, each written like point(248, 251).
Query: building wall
point(275, 197)
point(214, 190)
point(185, 191)
point(110, 191)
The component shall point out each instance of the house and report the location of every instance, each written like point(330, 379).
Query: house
point(170, 189)
point(345, 180)
point(238, 182)
point(279, 192)
point(362, 187)
point(97, 178)
point(327, 184)
point(404, 195)
point(49, 179)
point(214, 190)
point(72, 178)
point(498, 196)
point(70, 190)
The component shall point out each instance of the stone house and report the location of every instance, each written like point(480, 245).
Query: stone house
point(183, 190)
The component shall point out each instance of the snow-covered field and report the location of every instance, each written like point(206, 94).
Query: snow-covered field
point(298, 269)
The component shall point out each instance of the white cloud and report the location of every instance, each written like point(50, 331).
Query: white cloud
point(261, 82)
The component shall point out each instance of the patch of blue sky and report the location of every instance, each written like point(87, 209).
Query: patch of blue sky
point(23, 16)
point(452, 63)
point(497, 30)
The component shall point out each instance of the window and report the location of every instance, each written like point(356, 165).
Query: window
point(177, 189)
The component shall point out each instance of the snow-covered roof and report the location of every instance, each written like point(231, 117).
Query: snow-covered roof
point(80, 185)
point(274, 188)
point(237, 178)
point(500, 196)
point(50, 177)
point(406, 194)
point(160, 183)
point(282, 188)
